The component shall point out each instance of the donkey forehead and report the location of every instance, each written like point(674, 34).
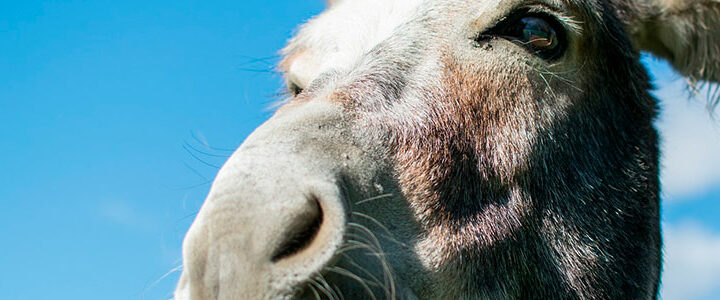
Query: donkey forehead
point(340, 36)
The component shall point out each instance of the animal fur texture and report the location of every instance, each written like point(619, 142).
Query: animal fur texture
point(426, 154)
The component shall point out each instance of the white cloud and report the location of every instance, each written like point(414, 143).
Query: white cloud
point(690, 143)
point(692, 263)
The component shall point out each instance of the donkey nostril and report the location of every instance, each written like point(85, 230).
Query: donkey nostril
point(302, 231)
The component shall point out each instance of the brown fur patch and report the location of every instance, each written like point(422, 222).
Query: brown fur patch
point(472, 148)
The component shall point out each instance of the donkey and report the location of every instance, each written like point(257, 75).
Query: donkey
point(455, 149)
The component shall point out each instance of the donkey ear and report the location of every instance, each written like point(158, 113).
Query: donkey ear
point(685, 32)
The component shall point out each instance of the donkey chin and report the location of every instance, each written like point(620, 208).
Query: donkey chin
point(455, 149)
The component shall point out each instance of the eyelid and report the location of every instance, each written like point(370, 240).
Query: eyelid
point(292, 82)
point(561, 14)
point(295, 89)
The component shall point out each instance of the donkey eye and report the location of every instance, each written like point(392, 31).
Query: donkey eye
point(294, 89)
point(539, 35)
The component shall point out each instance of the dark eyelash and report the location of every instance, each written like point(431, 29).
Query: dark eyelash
point(294, 89)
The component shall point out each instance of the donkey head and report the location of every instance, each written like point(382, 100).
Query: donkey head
point(449, 149)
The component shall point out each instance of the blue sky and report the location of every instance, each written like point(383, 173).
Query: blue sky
point(114, 114)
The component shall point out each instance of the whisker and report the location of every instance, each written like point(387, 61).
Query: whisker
point(373, 199)
point(340, 293)
point(325, 283)
point(351, 261)
point(361, 241)
point(314, 291)
point(349, 248)
point(156, 282)
point(562, 79)
point(207, 145)
point(251, 70)
point(548, 85)
point(187, 217)
point(387, 274)
point(373, 252)
point(193, 186)
point(360, 280)
point(199, 159)
point(390, 236)
point(269, 60)
point(205, 153)
point(366, 230)
point(195, 171)
point(316, 282)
